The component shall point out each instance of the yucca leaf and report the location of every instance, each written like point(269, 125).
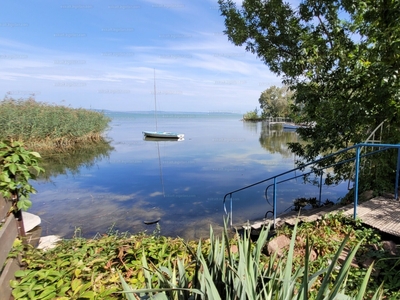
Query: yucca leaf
point(363, 286)
point(127, 289)
point(340, 279)
point(325, 282)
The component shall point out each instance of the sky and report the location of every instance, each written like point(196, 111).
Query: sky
point(104, 54)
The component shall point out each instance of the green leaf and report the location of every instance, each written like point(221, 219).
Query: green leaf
point(21, 273)
point(14, 157)
point(88, 294)
point(36, 154)
point(76, 284)
point(24, 204)
point(12, 168)
point(14, 283)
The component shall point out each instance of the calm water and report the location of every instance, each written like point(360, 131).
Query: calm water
point(182, 183)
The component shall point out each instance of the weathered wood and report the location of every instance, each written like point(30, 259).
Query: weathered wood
point(11, 267)
point(8, 234)
point(4, 207)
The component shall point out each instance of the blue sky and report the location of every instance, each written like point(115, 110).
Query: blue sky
point(102, 54)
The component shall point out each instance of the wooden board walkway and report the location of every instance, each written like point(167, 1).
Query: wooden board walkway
point(380, 213)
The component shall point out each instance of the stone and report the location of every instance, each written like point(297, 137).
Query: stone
point(277, 245)
point(343, 257)
point(48, 242)
point(30, 221)
point(367, 195)
point(313, 255)
point(366, 262)
point(234, 249)
point(390, 247)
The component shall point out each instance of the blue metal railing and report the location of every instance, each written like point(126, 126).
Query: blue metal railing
point(357, 158)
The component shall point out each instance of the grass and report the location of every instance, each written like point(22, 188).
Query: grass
point(43, 126)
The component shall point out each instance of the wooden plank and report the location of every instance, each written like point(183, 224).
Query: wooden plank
point(11, 267)
point(4, 207)
point(8, 233)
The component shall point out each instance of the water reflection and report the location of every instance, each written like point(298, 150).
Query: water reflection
point(251, 126)
point(275, 140)
point(72, 161)
point(182, 184)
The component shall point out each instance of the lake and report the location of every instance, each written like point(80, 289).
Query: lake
point(181, 183)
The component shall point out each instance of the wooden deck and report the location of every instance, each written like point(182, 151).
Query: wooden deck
point(380, 213)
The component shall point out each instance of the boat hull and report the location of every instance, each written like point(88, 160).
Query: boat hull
point(163, 134)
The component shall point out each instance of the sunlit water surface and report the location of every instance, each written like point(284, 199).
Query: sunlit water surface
point(181, 183)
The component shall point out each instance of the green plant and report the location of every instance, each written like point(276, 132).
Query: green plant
point(44, 126)
point(17, 167)
point(252, 115)
point(227, 274)
point(226, 267)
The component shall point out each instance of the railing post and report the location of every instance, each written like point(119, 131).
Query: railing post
point(358, 150)
point(396, 186)
point(274, 203)
point(320, 187)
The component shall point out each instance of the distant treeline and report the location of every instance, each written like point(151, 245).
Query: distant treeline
point(43, 126)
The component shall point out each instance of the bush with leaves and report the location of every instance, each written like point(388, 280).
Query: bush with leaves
point(17, 167)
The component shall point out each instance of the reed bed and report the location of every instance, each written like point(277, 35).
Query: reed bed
point(43, 126)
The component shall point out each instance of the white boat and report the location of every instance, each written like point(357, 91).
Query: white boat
point(163, 134)
point(160, 134)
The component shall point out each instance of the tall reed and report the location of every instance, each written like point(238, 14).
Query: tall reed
point(45, 126)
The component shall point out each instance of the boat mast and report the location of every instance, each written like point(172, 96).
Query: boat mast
point(155, 100)
point(158, 146)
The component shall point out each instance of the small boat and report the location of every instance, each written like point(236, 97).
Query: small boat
point(163, 134)
point(291, 126)
point(160, 134)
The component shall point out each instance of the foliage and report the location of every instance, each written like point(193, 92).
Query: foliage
point(252, 115)
point(88, 268)
point(245, 274)
point(214, 268)
point(341, 58)
point(276, 102)
point(17, 167)
point(43, 126)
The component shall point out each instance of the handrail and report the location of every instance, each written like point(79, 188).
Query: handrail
point(357, 158)
point(368, 140)
point(321, 175)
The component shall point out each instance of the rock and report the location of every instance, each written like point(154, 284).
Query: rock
point(30, 221)
point(390, 247)
point(313, 255)
point(277, 245)
point(234, 249)
point(343, 257)
point(367, 262)
point(48, 242)
point(367, 195)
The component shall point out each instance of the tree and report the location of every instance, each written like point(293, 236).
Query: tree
point(276, 101)
point(252, 115)
point(342, 59)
